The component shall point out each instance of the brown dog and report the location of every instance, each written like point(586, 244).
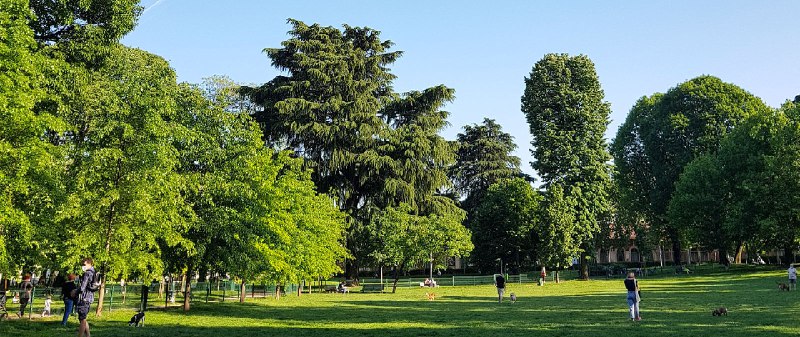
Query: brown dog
point(782, 286)
point(431, 296)
point(720, 311)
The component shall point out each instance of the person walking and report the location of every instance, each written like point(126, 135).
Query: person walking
point(632, 285)
point(69, 294)
point(792, 277)
point(25, 291)
point(500, 283)
point(85, 297)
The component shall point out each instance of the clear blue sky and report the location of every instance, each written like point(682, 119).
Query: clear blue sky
point(484, 49)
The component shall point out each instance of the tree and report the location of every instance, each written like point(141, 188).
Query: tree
point(30, 181)
point(367, 146)
point(123, 187)
point(564, 106)
point(504, 222)
point(482, 159)
point(662, 134)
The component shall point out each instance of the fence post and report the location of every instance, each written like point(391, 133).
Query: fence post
point(208, 290)
point(111, 299)
point(223, 292)
point(454, 280)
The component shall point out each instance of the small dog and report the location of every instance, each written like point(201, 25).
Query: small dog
point(720, 311)
point(782, 286)
point(513, 298)
point(137, 320)
point(431, 296)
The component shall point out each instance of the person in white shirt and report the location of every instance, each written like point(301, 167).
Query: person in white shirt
point(792, 277)
point(47, 303)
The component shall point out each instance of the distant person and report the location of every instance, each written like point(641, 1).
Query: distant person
point(69, 292)
point(48, 302)
point(500, 283)
point(792, 277)
point(25, 292)
point(632, 285)
point(543, 275)
point(86, 296)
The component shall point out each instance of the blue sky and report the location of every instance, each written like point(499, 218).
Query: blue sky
point(484, 49)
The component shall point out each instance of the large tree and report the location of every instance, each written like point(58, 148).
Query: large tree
point(30, 178)
point(662, 134)
point(368, 147)
point(483, 158)
point(564, 106)
point(503, 225)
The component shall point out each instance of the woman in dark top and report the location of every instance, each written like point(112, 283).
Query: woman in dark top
point(632, 285)
point(68, 290)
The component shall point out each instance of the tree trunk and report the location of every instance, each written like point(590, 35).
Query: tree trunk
point(723, 257)
point(187, 290)
point(299, 288)
point(397, 276)
point(788, 254)
point(277, 291)
point(351, 271)
point(676, 251)
point(739, 251)
point(584, 266)
point(558, 278)
point(241, 291)
point(101, 296)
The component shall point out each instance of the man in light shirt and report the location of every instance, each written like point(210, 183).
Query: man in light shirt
point(792, 277)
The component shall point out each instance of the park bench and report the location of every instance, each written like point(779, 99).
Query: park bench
point(372, 288)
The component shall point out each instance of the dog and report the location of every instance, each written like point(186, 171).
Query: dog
point(137, 320)
point(431, 296)
point(720, 311)
point(513, 298)
point(782, 286)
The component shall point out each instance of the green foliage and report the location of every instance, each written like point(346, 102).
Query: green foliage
point(504, 225)
point(564, 106)
point(662, 134)
point(367, 146)
point(29, 174)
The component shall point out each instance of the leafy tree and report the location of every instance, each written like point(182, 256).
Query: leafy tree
point(662, 134)
point(504, 224)
point(367, 146)
point(564, 106)
point(29, 165)
point(123, 187)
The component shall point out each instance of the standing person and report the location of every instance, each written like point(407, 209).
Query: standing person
point(543, 275)
point(500, 283)
point(68, 295)
point(86, 296)
point(792, 277)
point(632, 285)
point(47, 303)
point(25, 290)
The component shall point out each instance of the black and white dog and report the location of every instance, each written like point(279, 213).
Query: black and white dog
point(137, 320)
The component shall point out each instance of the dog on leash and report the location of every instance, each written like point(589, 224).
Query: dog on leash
point(137, 320)
point(720, 311)
point(431, 296)
point(513, 298)
point(782, 286)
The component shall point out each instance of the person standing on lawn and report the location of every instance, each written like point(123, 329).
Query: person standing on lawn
point(500, 283)
point(85, 297)
point(68, 294)
point(792, 277)
point(632, 285)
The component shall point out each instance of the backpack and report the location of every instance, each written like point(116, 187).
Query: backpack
point(94, 285)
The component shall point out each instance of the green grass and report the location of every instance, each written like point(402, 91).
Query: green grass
point(671, 306)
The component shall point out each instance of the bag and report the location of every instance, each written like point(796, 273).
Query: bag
point(97, 280)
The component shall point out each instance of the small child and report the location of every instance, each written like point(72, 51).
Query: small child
point(47, 303)
point(15, 300)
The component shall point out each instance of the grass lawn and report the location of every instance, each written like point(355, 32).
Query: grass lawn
point(671, 306)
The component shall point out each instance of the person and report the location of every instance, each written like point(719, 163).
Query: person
point(47, 303)
point(632, 285)
point(792, 277)
point(68, 292)
point(500, 283)
point(15, 299)
point(85, 297)
point(25, 290)
point(543, 275)
point(342, 288)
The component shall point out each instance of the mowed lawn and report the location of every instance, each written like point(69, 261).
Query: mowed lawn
point(671, 306)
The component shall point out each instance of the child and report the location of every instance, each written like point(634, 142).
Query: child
point(47, 302)
point(15, 300)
